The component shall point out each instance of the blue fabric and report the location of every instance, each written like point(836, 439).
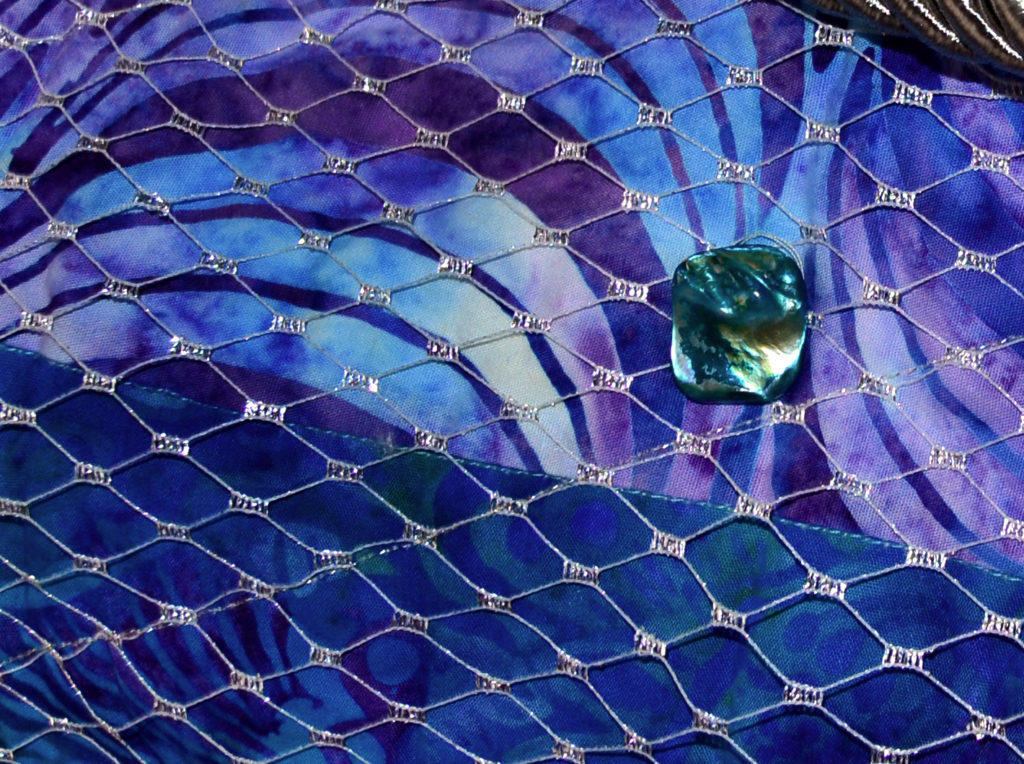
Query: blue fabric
point(336, 415)
point(744, 564)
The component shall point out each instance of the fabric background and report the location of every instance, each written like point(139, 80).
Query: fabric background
point(337, 421)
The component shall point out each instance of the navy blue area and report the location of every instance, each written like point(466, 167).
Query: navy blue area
point(417, 589)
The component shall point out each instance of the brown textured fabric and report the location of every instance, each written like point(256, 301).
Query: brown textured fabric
point(1012, 16)
point(874, 10)
point(834, 6)
point(977, 29)
point(986, 31)
point(926, 17)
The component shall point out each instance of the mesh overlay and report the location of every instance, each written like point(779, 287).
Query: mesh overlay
point(337, 422)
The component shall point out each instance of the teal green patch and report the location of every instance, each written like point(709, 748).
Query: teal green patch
point(815, 641)
point(744, 565)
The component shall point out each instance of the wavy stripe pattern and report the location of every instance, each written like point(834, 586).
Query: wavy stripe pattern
point(336, 341)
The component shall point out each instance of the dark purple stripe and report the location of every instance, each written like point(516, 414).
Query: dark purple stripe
point(145, 147)
point(56, 185)
point(149, 16)
point(45, 135)
point(236, 209)
point(23, 275)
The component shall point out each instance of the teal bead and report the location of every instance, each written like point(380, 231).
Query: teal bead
point(738, 324)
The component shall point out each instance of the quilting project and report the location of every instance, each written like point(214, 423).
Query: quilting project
point(338, 422)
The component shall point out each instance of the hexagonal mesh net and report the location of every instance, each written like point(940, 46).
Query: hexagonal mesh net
point(337, 422)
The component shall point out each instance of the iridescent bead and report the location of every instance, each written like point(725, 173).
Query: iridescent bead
point(738, 324)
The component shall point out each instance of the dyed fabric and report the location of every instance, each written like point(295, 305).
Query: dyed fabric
point(338, 422)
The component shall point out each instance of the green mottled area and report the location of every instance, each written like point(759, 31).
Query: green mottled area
point(738, 324)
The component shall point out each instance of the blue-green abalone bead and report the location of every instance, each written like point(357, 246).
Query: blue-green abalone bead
point(738, 324)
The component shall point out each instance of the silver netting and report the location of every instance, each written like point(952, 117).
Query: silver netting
point(488, 244)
